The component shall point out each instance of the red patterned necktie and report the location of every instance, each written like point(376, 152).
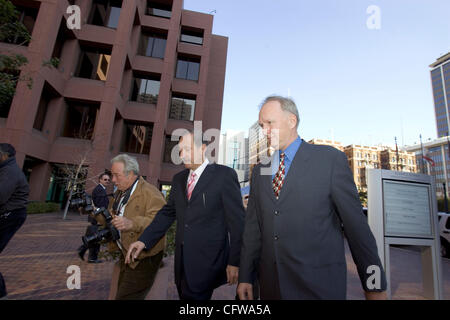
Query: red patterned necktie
point(277, 182)
point(191, 185)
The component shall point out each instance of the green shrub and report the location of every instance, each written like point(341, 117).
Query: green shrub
point(170, 240)
point(42, 207)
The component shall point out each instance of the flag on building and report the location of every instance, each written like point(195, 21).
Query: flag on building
point(430, 161)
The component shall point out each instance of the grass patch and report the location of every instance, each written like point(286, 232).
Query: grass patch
point(42, 207)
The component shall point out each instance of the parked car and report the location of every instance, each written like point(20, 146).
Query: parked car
point(444, 233)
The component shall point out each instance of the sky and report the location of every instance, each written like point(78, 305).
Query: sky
point(352, 83)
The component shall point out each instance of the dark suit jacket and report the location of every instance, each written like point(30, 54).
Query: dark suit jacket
point(209, 226)
point(99, 197)
point(296, 243)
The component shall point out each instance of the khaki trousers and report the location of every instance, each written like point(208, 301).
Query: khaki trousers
point(134, 284)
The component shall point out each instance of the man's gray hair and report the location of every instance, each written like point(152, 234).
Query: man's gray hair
point(130, 164)
point(287, 104)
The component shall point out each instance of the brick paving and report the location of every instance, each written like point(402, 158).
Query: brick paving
point(35, 262)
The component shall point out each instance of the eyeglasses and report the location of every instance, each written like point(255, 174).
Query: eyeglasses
point(105, 179)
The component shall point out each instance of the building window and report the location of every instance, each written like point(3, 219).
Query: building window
point(191, 35)
point(42, 109)
point(63, 35)
point(41, 113)
point(26, 17)
point(188, 68)
point(137, 138)
point(104, 65)
point(145, 90)
point(163, 10)
point(105, 13)
point(80, 120)
point(182, 107)
point(168, 147)
point(93, 64)
point(152, 45)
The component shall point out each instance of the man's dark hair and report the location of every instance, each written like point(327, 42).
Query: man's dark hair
point(6, 148)
point(104, 174)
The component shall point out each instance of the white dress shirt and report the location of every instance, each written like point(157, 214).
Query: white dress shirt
point(198, 172)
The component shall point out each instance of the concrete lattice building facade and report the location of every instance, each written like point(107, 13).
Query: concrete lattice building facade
point(135, 71)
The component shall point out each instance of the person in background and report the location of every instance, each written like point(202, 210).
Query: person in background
point(101, 200)
point(14, 192)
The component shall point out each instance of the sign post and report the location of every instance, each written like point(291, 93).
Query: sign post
point(402, 210)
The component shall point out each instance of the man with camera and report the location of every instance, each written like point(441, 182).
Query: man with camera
point(135, 204)
point(101, 200)
point(13, 199)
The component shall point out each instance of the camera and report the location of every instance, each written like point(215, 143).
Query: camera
point(108, 233)
point(84, 201)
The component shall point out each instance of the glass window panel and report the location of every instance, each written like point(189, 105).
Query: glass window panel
point(113, 17)
point(182, 69)
point(149, 47)
point(137, 138)
point(169, 146)
point(141, 86)
point(190, 105)
point(159, 48)
point(193, 70)
point(182, 109)
point(152, 87)
point(191, 39)
point(160, 12)
point(145, 91)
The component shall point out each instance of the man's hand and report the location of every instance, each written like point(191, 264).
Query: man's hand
point(133, 251)
point(122, 223)
point(232, 274)
point(373, 295)
point(245, 291)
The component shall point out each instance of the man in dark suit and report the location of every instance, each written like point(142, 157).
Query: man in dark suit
point(99, 194)
point(101, 200)
point(206, 202)
point(299, 202)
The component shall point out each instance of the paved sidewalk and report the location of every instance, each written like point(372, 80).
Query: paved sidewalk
point(35, 262)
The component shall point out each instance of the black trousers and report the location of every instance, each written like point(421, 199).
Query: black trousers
point(186, 293)
point(8, 227)
point(94, 249)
